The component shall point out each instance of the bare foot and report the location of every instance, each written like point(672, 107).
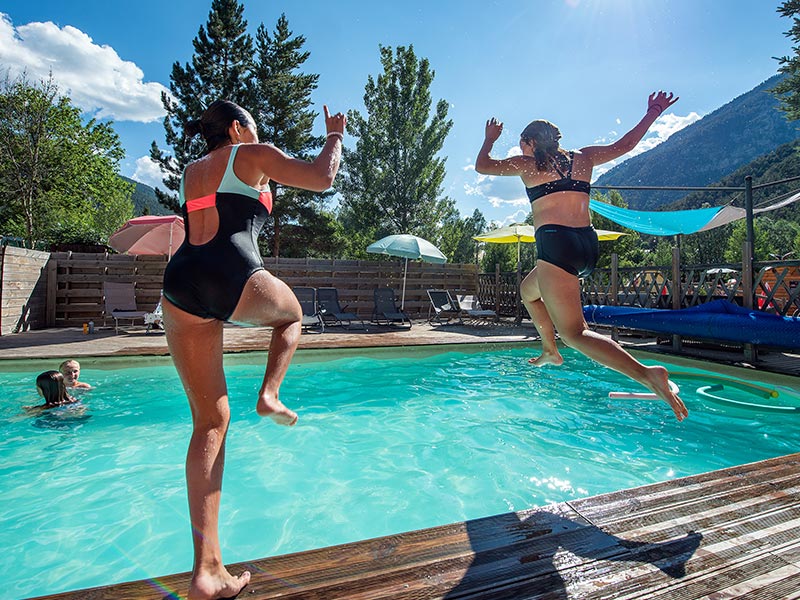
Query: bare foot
point(547, 358)
point(269, 406)
point(213, 586)
point(658, 382)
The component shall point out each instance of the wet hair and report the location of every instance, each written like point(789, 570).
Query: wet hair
point(63, 366)
point(546, 151)
point(213, 124)
point(53, 388)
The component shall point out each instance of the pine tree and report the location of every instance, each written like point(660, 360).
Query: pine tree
point(282, 109)
point(219, 69)
point(392, 182)
point(788, 90)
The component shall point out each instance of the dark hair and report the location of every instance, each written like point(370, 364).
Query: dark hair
point(213, 124)
point(53, 388)
point(545, 137)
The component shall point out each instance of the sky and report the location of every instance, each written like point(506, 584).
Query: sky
point(586, 65)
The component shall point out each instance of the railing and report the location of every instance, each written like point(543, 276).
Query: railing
point(776, 287)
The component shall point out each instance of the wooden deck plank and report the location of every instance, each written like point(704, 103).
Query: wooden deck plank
point(733, 533)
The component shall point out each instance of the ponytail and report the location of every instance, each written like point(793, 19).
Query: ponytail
point(546, 150)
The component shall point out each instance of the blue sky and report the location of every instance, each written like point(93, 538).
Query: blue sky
point(586, 65)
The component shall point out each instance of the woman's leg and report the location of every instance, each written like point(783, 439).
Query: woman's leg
point(532, 300)
point(268, 301)
point(562, 296)
point(196, 348)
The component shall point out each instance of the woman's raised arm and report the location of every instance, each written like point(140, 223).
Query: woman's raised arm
point(657, 103)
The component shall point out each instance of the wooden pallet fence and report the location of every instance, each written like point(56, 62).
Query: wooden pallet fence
point(80, 277)
point(23, 289)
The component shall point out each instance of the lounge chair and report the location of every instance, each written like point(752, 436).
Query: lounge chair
point(307, 296)
point(442, 307)
point(332, 313)
point(119, 301)
point(385, 310)
point(469, 306)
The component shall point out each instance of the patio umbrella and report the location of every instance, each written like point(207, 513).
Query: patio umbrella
point(407, 246)
point(152, 235)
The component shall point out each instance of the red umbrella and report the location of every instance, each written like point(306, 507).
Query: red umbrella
point(151, 234)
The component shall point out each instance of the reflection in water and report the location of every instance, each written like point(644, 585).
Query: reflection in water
point(70, 416)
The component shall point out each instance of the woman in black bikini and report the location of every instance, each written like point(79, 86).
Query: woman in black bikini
point(217, 276)
point(557, 183)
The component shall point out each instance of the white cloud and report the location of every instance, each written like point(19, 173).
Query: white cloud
point(500, 202)
point(660, 131)
point(148, 172)
point(97, 80)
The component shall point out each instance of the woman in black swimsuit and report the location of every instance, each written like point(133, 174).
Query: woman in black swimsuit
point(217, 276)
point(557, 183)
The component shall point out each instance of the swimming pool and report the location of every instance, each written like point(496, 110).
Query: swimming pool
point(388, 441)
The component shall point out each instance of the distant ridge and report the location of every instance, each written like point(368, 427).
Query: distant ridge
point(145, 196)
point(706, 151)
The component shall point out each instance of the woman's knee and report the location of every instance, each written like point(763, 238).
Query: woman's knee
point(529, 290)
point(572, 334)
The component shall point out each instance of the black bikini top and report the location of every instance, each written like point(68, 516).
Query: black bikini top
point(565, 184)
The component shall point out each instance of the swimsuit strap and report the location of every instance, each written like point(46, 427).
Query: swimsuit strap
point(229, 175)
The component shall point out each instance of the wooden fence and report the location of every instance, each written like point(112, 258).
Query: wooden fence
point(78, 291)
point(23, 289)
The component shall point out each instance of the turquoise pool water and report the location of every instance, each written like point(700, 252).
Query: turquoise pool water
point(388, 441)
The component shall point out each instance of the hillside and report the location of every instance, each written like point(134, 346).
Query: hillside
point(778, 165)
point(145, 196)
point(732, 136)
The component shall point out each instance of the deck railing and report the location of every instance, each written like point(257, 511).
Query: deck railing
point(775, 288)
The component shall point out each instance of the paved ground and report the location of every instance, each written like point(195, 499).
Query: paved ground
point(73, 343)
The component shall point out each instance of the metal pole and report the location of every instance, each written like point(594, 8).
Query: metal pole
point(748, 208)
point(748, 249)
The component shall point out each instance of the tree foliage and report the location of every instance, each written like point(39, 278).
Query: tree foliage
point(220, 67)
point(788, 89)
point(281, 105)
point(59, 180)
point(392, 181)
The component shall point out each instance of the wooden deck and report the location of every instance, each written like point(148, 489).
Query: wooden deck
point(733, 533)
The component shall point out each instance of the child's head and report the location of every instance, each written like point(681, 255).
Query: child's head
point(70, 369)
point(52, 388)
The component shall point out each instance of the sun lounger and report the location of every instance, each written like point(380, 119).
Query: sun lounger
point(469, 306)
point(385, 311)
point(442, 309)
point(119, 301)
point(307, 296)
point(332, 313)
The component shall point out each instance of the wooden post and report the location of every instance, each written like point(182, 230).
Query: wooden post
point(52, 292)
point(614, 290)
point(497, 288)
point(676, 291)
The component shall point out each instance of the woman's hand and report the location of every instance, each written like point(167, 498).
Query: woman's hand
point(493, 130)
point(334, 123)
point(660, 101)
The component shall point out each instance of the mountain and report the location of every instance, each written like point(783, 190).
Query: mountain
point(708, 150)
point(774, 167)
point(145, 197)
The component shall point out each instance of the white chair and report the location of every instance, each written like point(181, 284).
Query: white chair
point(154, 320)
